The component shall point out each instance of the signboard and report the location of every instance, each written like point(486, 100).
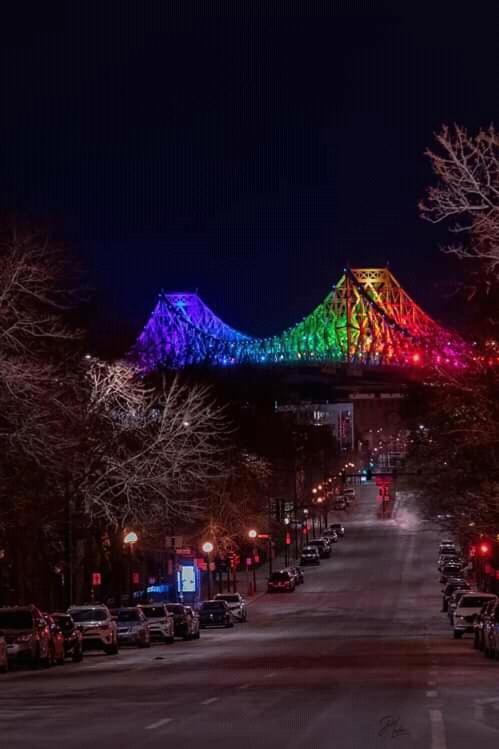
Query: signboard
point(249, 561)
point(135, 578)
point(184, 552)
point(96, 579)
point(187, 579)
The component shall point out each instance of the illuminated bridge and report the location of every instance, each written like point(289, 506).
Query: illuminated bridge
point(367, 318)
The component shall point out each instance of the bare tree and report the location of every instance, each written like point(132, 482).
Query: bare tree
point(467, 193)
point(151, 454)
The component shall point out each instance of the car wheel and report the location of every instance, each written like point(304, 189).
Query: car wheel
point(170, 640)
point(475, 642)
point(112, 649)
point(457, 634)
point(62, 660)
point(77, 656)
point(35, 660)
point(5, 667)
point(197, 635)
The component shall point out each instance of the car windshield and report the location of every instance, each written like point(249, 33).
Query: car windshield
point(335, 527)
point(16, 620)
point(128, 615)
point(211, 605)
point(279, 576)
point(309, 550)
point(229, 599)
point(473, 601)
point(175, 608)
point(154, 612)
point(64, 622)
point(88, 615)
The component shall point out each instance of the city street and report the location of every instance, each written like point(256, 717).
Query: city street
point(358, 656)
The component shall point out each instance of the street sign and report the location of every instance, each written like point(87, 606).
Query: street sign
point(96, 579)
point(135, 578)
point(288, 539)
point(249, 561)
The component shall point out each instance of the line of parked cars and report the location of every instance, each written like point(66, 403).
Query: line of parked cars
point(469, 611)
point(37, 639)
point(316, 549)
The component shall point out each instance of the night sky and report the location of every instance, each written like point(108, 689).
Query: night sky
point(243, 149)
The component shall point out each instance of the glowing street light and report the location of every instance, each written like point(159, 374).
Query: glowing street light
point(252, 533)
point(130, 540)
point(207, 547)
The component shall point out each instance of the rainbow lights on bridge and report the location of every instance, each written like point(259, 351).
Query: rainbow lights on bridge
point(367, 318)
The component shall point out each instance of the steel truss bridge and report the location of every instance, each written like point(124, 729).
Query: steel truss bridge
point(367, 318)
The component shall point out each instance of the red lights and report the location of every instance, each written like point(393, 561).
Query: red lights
point(484, 549)
point(416, 358)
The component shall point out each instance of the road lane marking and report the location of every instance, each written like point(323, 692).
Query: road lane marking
point(158, 724)
point(432, 693)
point(438, 738)
point(210, 700)
point(431, 683)
point(244, 686)
point(268, 676)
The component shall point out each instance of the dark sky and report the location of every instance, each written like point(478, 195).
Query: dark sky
point(243, 149)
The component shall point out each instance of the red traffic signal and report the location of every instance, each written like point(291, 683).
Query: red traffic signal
point(96, 579)
point(484, 549)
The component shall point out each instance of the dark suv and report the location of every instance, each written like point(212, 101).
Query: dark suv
point(73, 641)
point(185, 622)
point(27, 635)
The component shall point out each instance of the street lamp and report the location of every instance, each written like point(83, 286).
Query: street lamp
point(252, 535)
point(208, 548)
point(130, 540)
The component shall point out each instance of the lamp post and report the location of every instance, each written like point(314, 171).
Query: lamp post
point(287, 541)
point(208, 548)
point(130, 540)
point(252, 534)
point(305, 512)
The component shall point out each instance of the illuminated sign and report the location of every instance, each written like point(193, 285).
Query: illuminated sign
point(186, 579)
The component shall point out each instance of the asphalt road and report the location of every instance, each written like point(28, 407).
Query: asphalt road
point(358, 656)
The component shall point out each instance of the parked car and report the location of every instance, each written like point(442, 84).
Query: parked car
point(451, 569)
point(132, 627)
point(97, 627)
point(454, 601)
point(331, 536)
point(193, 616)
point(322, 546)
point(73, 641)
point(446, 545)
point(340, 503)
point(236, 604)
point(185, 621)
point(281, 581)
point(310, 555)
point(298, 573)
point(453, 583)
point(215, 614)
point(349, 492)
point(338, 528)
point(479, 625)
point(161, 622)
point(491, 634)
point(4, 658)
point(27, 635)
point(56, 640)
point(464, 614)
point(448, 557)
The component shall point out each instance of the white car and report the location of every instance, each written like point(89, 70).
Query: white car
point(468, 607)
point(161, 622)
point(236, 604)
point(97, 626)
